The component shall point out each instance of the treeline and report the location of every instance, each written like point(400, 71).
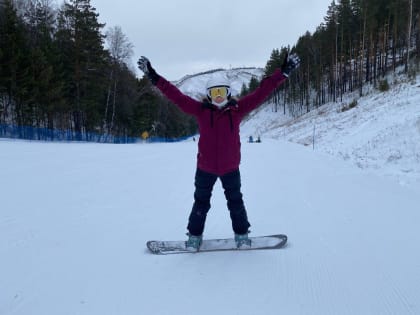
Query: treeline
point(59, 70)
point(358, 43)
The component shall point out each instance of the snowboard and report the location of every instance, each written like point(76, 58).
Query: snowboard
point(213, 245)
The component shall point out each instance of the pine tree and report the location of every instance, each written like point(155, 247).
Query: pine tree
point(244, 90)
point(13, 65)
point(83, 62)
point(331, 51)
point(275, 62)
point(46, 87)
point(253, 84)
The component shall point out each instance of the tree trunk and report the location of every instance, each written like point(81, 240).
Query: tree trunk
point(410, 18)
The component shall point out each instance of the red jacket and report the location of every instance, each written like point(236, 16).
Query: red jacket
point(219, 147)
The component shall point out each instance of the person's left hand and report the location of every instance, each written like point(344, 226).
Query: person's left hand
point(291, 62)
point(145, 66)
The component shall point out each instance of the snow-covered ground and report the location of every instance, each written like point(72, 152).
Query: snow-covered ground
point(75, 217)
point(380, 135)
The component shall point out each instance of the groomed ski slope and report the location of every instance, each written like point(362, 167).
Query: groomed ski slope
point(74, 220)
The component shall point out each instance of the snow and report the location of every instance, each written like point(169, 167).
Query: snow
point(195, 85)
point(380, 135)
point(75, 218)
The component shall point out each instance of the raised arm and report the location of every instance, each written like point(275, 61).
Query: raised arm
point(268, 85)
point(184, 102)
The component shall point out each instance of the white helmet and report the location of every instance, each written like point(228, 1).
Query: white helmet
point(218, 87)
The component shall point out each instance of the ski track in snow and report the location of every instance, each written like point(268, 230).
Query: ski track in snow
point(75, 218)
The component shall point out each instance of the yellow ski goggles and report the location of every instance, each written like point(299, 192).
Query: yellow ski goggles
point(222, 91)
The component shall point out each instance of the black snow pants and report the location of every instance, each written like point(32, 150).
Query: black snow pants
point(204, 183)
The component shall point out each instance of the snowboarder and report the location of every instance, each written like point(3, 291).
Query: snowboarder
point(219, 117)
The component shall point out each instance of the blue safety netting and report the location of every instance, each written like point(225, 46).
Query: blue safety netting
point(46, 134)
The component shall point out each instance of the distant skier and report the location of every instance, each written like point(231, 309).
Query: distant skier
point(219, 117)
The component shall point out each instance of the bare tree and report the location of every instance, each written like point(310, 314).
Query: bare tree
point(121, 51)
point(410, 22)
point(119, 46)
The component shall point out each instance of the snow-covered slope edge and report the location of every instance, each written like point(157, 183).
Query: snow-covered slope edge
point(195, 85)
point(381, 134)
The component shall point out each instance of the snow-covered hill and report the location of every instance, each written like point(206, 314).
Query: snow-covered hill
point(195, 85)
point(381, 134)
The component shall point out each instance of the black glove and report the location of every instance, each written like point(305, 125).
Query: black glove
point(146, 67)
point(291, 62)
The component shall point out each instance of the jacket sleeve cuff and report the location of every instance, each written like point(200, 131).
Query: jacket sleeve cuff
point(154, 77)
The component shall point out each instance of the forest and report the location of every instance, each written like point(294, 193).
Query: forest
point(61, 70)
point(56, 74)
point(358, 44)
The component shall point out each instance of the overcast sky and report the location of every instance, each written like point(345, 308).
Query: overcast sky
point(188, 36)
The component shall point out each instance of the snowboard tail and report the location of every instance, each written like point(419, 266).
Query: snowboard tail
point(211, 245)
